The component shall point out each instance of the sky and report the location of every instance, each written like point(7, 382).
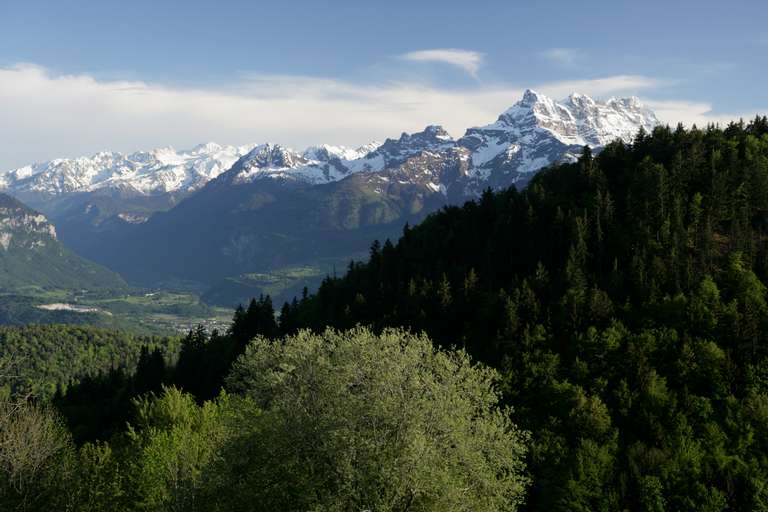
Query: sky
point(78, 77)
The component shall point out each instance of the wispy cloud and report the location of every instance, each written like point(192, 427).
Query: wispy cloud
point(607, 86)
point(567, 57)
point(699, 113)
point(46, 116)
point(466, 60)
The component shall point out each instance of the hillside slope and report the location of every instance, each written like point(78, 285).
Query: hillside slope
point(32, 256)
point(623, 298)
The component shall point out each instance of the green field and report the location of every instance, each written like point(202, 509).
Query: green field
point(175, 309)
point(151, 312)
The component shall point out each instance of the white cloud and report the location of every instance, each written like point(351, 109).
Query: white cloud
point(567, 57)
point(465, 60)
point(698, 113)
point(47, 116)
point(600, 87)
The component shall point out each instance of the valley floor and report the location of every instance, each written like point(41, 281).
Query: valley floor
point(149, 312)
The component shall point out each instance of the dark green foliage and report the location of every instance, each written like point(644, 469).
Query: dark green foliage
point(150, 370)
point(203, 362)
point(87, 372)
point(623, 298)
point(97, 407)
point(205, 358)
point(258, 319)
point(338, 421)
point(41, 359)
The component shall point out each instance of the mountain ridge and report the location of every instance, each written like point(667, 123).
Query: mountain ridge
point(576, 121)
point(276, 207)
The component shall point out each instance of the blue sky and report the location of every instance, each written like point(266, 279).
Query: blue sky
point(77, 77)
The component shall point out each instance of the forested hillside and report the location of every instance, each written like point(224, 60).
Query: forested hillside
point(623, 298)
point(41, 359)
point(337, 421)
point(31, 255)
point(617, 305)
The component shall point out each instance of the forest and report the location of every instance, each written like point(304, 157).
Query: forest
point(595, 341)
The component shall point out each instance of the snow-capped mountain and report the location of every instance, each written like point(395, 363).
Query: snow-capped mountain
point(324, 164)
point(316, 165)
point(159, 171)
point(243, 208)
point(538, 131)
point(395, 152)
point(327, 153)
point(535, 132)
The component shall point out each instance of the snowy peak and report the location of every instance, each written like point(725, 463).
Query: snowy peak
point(538, 131)
point(326, 152)
point(394, 152)
point(432, 137)
point(580, 101)
point(269, 156)
point(578, 119)
point(326, 163)
point(161, 170)
point(316, 165)
point(207, 148)
point(598, 123)
point(533, 107)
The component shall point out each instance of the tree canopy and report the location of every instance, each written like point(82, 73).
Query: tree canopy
point(334, 421)
point(357, 421)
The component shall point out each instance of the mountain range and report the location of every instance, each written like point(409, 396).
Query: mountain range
point(215, 212)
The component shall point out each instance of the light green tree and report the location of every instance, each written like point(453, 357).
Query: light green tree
point(358, 421)
point(171, 444)
point(100, 483)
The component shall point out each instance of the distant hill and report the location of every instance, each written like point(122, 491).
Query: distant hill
point(32, 256)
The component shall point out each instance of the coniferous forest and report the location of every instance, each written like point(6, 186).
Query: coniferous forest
point(595, 341)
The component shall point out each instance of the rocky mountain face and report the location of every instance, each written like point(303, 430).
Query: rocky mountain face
point(23, 228)
point(538, 131)
point(32, 256)
point(217, 211)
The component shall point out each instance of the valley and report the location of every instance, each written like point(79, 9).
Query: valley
point(145, 312)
